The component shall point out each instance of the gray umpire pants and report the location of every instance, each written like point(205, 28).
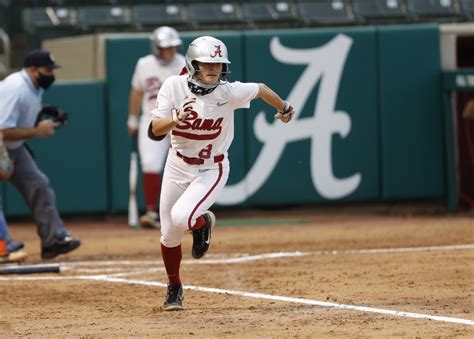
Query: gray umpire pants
point(34, 186)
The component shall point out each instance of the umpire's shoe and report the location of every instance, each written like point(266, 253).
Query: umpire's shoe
point(202, 237)
point(61, 246)
point(174, 298)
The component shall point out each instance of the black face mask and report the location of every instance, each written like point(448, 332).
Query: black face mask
point(44, 81)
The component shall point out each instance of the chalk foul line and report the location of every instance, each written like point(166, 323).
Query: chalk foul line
point(116, 278)
point(324, 304)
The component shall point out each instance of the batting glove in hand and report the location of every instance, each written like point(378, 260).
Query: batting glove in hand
point(287, 114)
point(132, 124)
point(179, 114)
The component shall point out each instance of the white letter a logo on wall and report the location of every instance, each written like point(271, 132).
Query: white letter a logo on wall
point(325, 65)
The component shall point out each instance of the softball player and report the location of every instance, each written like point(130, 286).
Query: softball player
point(150, 73)
point(198, 111)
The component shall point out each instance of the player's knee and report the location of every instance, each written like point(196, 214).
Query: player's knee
point(179, 217)
point(170, 241)
point(149, 167)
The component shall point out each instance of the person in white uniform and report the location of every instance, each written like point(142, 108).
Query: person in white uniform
point(150, 73)
point(197, 110)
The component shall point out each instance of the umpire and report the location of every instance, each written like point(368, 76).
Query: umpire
point(20, 105)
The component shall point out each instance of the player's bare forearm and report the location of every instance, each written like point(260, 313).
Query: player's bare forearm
point(134, 102)
point(161, 126)
point(270, 97)
point(285, 111)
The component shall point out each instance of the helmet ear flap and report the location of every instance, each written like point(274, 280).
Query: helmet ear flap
point(155, 50)
point(153, 45)
point(195, 66)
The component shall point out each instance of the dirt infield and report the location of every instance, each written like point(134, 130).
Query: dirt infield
point(113, 286)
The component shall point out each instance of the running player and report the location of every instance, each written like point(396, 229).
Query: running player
point(198, 111)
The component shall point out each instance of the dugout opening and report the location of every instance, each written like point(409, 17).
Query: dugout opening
point(457, 61)
point(464, 117)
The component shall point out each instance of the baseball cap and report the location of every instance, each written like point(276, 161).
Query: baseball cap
point(39, 58)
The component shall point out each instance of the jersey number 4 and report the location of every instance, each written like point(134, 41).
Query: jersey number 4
point(206, 152)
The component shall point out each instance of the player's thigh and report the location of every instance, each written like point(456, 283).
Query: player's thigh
point(152, 153)
point(200, 195)
point(173, 186)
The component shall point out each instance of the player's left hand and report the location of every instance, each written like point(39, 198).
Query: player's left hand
point(132, 124)
point(286, 114)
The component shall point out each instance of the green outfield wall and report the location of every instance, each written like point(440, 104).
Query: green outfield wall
point(74, 158)
point(411, 113)
point(369, 123)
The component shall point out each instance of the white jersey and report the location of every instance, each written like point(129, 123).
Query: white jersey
point(149, 75)
point(209, 129)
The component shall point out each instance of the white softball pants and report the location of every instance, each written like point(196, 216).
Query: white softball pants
point(187, 192)
point(152, 153)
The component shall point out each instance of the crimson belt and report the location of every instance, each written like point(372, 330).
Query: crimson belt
point(199, 161)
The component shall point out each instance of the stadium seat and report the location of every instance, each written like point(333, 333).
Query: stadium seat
point(91, 17)
point(269, 12)
point(379, 9)
point(86, 3)
point(3, 17)
point(325, 11)
point(432, 8)
point(157, 15)
point(48, 18)
point(214, 13)
point(467, 8)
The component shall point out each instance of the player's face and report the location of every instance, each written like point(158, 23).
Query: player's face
point(209, 73)
point(167, 54)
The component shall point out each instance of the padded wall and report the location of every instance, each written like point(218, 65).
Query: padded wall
point(74, 158)
point(411, 121)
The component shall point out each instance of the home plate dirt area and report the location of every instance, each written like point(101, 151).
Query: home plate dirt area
point(267, 274)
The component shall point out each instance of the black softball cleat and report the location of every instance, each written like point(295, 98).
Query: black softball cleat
point(174, 298)
point(202, 237)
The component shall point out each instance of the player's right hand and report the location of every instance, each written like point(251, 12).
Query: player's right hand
point(132, 124)
point(179, 114)
point(45, 128)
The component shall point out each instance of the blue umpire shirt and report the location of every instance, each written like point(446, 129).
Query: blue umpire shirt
point(20, 103)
